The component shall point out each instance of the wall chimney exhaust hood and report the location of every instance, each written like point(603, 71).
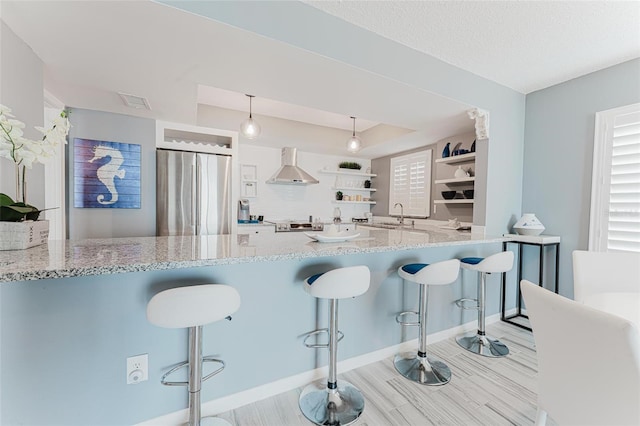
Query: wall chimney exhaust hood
point(289, 173)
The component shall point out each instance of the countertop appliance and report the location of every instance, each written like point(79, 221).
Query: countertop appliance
point(193, 193)
point(295, 225)
point(244, 213)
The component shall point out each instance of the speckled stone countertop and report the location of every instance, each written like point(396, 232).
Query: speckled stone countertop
point(73, 258)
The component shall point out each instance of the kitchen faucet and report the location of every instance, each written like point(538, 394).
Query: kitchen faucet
point(401, 213)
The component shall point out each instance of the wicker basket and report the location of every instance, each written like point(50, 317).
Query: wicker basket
point(22, 235)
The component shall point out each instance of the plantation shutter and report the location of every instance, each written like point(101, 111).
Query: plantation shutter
point(410, 184)
point(618, 206)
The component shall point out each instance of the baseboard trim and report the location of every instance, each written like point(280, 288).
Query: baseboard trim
point(258, 393)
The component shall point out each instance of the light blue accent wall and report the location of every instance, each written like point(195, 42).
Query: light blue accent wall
point(65, 341)
point(558, 154)
point(308, 28)
point(107, 223)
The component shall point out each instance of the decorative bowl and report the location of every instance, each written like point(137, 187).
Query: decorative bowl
point(468, 193)
point(448, 195)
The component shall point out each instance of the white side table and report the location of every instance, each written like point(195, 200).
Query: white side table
point(542, 242)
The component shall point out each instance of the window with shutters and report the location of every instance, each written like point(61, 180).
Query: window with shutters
point(410, 184)
point(615, 189)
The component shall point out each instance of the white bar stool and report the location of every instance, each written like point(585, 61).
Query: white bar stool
point(478, 342)
point(427, 370)
point(337, 403)
point(193, 307)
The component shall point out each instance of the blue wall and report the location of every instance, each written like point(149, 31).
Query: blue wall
point(558, 153)
point(65, 341)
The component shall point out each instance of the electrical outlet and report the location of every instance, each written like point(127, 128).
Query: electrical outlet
point(137, 369)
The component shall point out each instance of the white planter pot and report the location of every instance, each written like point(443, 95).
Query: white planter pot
point(22, 235)
point(528, 225)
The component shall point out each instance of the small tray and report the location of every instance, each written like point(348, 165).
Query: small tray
point(335, 238)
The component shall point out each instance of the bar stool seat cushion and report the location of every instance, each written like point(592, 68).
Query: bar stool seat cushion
point(339, 283)
point(440, 273)
point(499, 262)
point(192, 306)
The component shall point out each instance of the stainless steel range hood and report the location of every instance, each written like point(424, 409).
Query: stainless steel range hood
point(289, 173)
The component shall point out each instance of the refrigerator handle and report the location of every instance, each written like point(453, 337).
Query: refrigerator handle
point(195, 217)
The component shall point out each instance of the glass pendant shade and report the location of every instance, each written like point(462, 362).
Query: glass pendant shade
point(354, 143)
point(250, 128)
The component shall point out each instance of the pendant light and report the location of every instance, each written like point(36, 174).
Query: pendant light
point(250, 128)
point(354, 144)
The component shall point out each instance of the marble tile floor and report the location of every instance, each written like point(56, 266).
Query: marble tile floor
point(482, 391)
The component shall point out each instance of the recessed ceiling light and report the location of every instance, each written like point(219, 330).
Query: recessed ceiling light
point(134, 101)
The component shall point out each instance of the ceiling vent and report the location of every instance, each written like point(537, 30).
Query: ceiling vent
point(134, 101)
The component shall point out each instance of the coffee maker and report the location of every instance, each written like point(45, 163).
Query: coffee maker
point(243, 210)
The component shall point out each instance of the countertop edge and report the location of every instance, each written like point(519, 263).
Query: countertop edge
point(56, 273)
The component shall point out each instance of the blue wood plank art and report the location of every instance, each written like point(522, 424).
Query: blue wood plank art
point(106, 174)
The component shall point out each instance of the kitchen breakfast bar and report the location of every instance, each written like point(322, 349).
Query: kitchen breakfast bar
point(73, 311)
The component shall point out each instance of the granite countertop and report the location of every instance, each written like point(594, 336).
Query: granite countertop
point(71, 258)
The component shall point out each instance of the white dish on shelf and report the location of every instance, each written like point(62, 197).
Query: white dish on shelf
point(332, 238)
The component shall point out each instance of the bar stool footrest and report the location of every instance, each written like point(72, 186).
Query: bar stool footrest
point(164, 381)
point(213, 373)
point(315, 333)
point(463, 304)
point(400, 321)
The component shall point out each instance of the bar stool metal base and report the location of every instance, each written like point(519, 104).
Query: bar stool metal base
point(334, 407)
point(483, 345)
point(424, 370)
point(213, 421)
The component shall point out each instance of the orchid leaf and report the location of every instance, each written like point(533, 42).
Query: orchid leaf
point(5, 200)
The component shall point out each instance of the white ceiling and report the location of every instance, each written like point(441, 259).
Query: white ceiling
point(524, 45)
point(92, 50)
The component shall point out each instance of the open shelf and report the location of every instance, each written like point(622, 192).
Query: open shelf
point(348, 172)
point(457, 158)
point(457, 180)
point(455, 201)
point(354, 202)
point(354, 189)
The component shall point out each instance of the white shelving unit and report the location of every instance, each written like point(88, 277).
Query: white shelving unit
point(457, 182)
point(351, 175)
point(457, 158)
point(249, 180)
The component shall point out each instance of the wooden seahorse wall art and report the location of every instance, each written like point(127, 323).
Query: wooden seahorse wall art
point(106, 174)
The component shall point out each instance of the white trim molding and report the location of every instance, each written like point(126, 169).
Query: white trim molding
point(603, 142)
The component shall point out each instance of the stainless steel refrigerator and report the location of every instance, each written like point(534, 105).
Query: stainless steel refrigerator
point(193, 193)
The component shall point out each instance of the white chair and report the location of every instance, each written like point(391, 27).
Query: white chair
point(193, 307)
point(477, 341)
point(337, 402)
point(604, 272)
point(588, 361)
point(418, 367)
